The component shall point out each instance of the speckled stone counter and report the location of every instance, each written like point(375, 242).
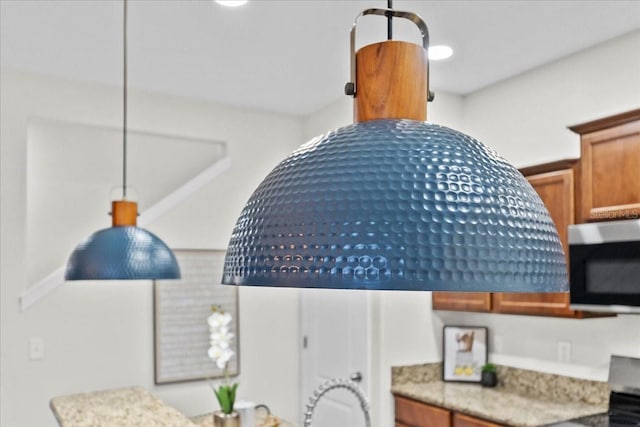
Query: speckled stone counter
point(124, 407)
point(522, 398)
point(206, 420)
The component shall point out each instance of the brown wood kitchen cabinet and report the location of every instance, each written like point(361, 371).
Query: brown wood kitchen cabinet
point(411, 413)
point(554, 183)
point(604, 184)
point(609, 180)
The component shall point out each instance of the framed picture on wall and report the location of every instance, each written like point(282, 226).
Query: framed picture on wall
point(465, 350)
point(181, 308)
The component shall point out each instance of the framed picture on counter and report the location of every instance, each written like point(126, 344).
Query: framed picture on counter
point(465, 350)
point(181, 308)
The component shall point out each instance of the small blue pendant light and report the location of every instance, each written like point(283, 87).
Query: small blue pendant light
point(394, 202)
point(124, 251)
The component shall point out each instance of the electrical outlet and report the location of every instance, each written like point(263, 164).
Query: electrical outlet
point(498, 346)
point(564, 351)
point(36, 348)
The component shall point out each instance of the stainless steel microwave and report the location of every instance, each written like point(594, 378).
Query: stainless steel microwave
point(604, 260)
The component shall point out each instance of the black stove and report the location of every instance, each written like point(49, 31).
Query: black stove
point(624, 409)
point(624, 400)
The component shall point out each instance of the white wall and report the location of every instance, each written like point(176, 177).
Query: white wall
point(99, 335)
point(525, 120)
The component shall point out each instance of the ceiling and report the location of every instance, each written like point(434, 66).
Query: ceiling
point(291, 56)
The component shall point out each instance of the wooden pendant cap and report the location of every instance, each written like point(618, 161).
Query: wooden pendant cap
point(124, 213)
point(391, 82)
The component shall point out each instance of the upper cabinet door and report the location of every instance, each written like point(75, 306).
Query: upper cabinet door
point(556, 189)
point(610, 168)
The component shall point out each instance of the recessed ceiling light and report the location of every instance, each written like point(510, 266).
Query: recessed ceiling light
point(231, 3)
point(439, 52)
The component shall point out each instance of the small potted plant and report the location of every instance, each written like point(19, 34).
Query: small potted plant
point(489, 377)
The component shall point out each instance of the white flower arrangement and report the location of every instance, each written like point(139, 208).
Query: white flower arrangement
point(220, 338)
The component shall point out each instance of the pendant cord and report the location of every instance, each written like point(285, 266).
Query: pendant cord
point(124, 109)
point(389, 21)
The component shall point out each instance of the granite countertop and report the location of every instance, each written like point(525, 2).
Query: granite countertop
point(524, 398)
point(206, 420)
point(124, 407)
point(127, 407)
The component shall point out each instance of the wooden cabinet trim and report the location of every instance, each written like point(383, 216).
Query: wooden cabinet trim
point(607, 122)
point(548, 167)
point(606, 135)
point(527, 305)
point(466, 301)
point(552, 304)
point(463, 420)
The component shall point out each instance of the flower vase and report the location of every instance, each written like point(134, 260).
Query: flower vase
point(220, 419)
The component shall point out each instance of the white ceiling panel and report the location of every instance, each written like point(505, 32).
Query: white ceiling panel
point(291, 56)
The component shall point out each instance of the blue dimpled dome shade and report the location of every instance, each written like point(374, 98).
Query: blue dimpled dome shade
point(398, 205)
point(122, 253)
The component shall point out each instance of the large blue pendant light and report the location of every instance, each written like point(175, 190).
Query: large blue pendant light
point(124, 251)
point(394, 202)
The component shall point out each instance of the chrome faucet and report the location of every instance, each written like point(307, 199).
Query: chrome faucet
point(330, 385)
